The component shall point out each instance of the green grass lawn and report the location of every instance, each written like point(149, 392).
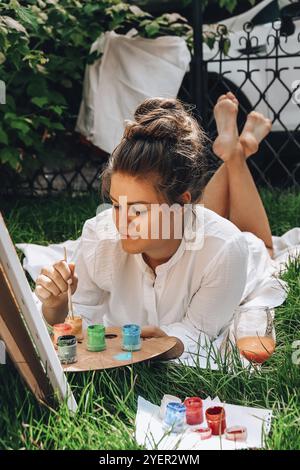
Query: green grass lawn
point(108, 400)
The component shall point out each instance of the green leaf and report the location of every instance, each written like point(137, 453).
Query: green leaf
point(152, 28)
point(3, 136)
point(10, 155)
point(58, 126)
point(20, 125)
point(40, 101)
point(37, 87)
point(27, 16)
point(57, 109)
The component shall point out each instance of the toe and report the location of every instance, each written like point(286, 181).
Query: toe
point(221, 98)
point(254, 115)
point(269, 122)
point(232, 97)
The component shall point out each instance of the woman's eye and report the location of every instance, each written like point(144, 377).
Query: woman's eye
point(138, 210)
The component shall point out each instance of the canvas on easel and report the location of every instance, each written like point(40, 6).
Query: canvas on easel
point(24, 332)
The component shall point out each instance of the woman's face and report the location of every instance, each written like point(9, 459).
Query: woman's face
point(141, 215)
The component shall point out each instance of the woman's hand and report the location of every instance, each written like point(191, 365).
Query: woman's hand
point(52, 287)
point(151, 331)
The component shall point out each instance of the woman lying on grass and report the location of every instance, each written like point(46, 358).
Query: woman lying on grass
point(215, 253)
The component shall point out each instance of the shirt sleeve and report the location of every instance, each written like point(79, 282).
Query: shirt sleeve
point(89, 298)
point(211, 309)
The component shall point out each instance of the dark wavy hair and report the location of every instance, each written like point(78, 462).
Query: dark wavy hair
point(164, 142)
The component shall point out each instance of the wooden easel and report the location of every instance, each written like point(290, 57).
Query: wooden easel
point(19, 345)
point(24, 332)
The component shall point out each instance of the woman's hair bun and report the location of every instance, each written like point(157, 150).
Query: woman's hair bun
point(163, 142)
point(160, 119)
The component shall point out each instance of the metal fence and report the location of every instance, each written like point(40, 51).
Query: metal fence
point(261, 68)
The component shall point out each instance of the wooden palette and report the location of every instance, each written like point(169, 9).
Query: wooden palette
point(150, 348)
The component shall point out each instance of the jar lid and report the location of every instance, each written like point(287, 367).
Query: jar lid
point(236, 433)
point(214, 413)
point(131, 329)
point(193, 401)
point(96, 329)
point(204, 433)
point(76, 319)
point(176, 407)
point(62, 326)
point(66, 340)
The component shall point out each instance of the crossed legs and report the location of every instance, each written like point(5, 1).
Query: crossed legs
point(231, 192)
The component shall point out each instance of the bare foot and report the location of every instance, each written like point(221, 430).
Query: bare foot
point(257, 127)
point(227, 143)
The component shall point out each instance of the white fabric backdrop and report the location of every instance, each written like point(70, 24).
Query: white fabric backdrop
point(130, 70)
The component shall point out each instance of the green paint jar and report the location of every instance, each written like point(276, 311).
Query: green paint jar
point(96, 338)
point(67, 349)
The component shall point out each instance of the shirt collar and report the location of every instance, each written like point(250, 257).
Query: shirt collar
point(188, 220)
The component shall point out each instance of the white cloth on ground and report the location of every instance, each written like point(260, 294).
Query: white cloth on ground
point(149, 431)
point(193, 291)
point(129, 70)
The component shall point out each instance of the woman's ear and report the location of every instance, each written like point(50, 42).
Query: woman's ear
point(186, 197)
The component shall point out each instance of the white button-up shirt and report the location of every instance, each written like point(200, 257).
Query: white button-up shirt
point(194, 291)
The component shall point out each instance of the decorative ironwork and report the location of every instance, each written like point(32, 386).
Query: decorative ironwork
point(252, 67)
point(262, 74)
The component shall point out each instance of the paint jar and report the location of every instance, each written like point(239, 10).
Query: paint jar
point(175, 417)
point(236, 433)
point(67, 349)
point(194, 410)
point(96, 338)
point(61, 329)
point(204, 433)
point(215, 417)
point(131, 340)
point(76, 324)
point(163, 404)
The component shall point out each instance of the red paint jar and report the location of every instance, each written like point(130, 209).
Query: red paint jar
point(215, 417)
point(194, 410)
point(61, 329)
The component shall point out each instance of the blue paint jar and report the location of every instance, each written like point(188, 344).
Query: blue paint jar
point(175, 417)
point(131, 340)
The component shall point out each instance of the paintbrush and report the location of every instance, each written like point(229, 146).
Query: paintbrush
point(70, 305)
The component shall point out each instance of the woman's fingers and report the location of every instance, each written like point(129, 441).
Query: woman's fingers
point(54, 280)
point(47, 283)
point(74, 278)
point(42, 293)
point(64, 270)
point(152, 331)
point(74, 283)
point(148, 331)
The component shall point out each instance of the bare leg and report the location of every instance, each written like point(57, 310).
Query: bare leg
point(245, 207)
point(257, 127)
point(216, 193)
